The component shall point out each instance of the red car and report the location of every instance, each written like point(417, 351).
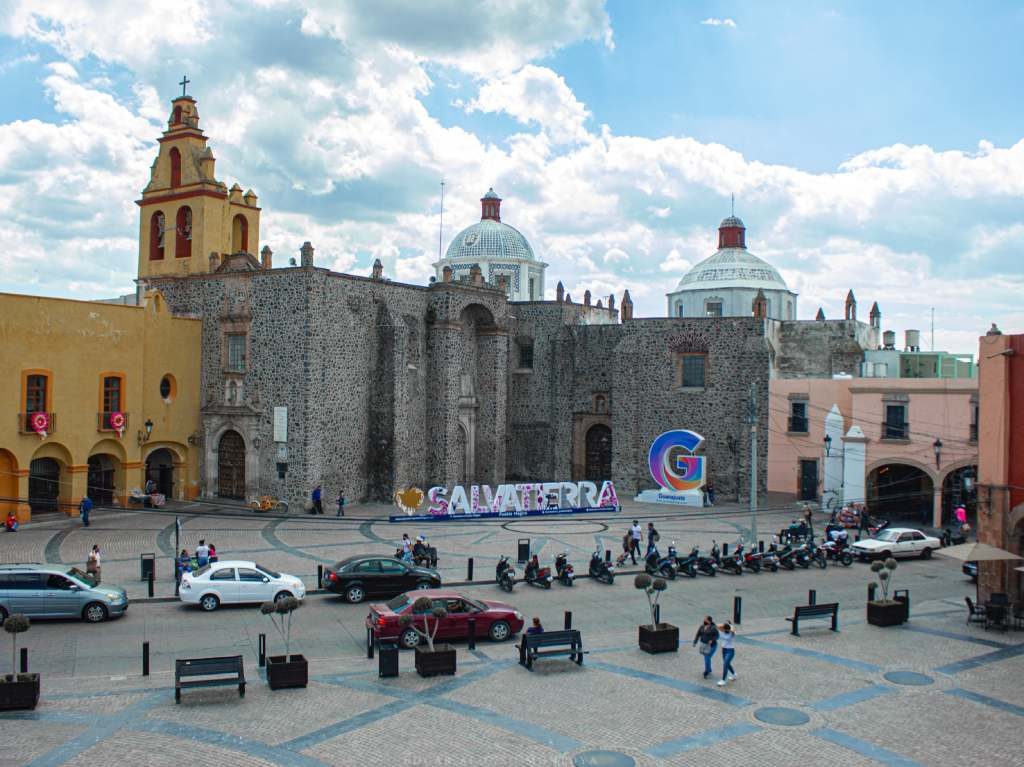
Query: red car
point(495, 620)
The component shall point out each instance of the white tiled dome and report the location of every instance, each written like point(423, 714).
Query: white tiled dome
point(489, 240)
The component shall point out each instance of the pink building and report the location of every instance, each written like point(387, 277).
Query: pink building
point(908, 447)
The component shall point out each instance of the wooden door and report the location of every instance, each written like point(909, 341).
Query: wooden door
point(598, 454)
point(231, 466)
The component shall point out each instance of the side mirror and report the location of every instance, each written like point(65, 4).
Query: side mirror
point(75, 587)
point(266, 580)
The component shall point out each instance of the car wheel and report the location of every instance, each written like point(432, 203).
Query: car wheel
point(423, 585)
point(355, 594)
point(209, 602)
point(409, 639)
point(94, 612)
point(926, 554)
point(282, 595)
point(885, 555)
point(499, 631)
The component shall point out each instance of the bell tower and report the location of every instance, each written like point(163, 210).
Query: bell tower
point(188, 220)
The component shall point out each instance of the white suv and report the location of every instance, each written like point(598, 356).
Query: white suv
point(237, 582)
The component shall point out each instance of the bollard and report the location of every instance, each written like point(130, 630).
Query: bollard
point(319, 576)
point(871, 591)
point(737, 610)
point(145, 658)
point(472, 633)
point(607, 555)
point(469, 570)
point(262, 645)
point(149, 583)
point(812, 597)
point(657, 616)
point(24, 660)
point(369, 642)
point(568, 620)
point(760, 547)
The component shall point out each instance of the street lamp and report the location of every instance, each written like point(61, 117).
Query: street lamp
point(937, 447)
point(828, 444)
point(144, 436)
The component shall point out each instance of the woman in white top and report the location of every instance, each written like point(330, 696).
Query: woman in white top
point(726, 640)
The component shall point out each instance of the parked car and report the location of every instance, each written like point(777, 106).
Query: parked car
point(970, 569)
point(496, 620)
point(236, 583)
point(896, 542)
point(360, 577)
point(51, 591)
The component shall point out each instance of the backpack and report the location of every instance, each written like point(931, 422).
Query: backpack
point(655, 537)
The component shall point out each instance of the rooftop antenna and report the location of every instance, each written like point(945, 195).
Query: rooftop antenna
point(732, 204)
point(933, 328)
point(440, 228)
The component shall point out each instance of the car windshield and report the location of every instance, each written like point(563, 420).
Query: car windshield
point(267, 571)
point(399, 603)
point(201, 571)
point(78, 575)
point(887, 535)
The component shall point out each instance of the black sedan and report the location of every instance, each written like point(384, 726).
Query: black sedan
point(970, 569)
point(357, 578)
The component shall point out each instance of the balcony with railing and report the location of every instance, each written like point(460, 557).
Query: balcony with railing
point(103, 422)
point(798, 424)
point(25, 422)
point(895, 430)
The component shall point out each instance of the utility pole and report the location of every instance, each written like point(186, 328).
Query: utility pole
point(177, 548)
point(752, 422)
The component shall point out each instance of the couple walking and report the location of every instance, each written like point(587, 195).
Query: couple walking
point(709, 637)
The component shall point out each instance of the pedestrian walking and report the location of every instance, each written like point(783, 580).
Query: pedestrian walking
point(202, 554)
point(213, 553)
point(84, 507)
point(727, 639)
point(864, 524)
point(92, 565)
point(652, 538)
point(809, 519)
point(184, 563)
point(706, 642)
point(11, 523)
point(710, 488)
point(341, 504)
point(317, 498)
point(636, 535)
point(627, 549)
point(406, 548)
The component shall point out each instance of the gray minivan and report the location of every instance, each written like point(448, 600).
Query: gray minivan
point(52, 591)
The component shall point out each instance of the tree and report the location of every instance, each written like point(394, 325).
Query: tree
point(14, 625)
point(652, 587)
point(885, 572)
point(280, 613)
point(424, 606)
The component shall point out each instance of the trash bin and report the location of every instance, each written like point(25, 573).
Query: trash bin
point(524, 550)
point(903, 595)
point(147, 565)
point(387, 654)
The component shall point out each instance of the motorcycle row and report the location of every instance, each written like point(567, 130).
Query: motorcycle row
point(789, 557)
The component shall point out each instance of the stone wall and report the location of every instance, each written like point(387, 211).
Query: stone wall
point(813, 349)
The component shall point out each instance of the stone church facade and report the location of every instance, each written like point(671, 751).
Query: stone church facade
point(389, 385)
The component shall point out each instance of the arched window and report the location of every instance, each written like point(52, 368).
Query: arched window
point(176, 119)
point(240, 235)
point(156, 236)
point(175, 168)
point(183, 233)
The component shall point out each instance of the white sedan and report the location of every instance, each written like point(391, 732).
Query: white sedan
point(897, 542)
point(237, 582)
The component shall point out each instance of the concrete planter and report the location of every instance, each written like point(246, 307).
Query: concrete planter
point(890, 613)
point(661, 638)
point(440, 661)
point(20, 692)
point(285, 672)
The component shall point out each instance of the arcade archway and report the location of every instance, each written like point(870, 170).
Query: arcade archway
point(231, 466)
point(44, 478)
point(160, 469)
point(900, 491)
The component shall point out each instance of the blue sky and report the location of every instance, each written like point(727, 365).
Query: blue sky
point(870, 146)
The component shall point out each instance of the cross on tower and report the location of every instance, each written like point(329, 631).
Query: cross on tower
point(184, 84)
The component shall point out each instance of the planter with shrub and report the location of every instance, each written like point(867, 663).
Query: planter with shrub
point(18, 691)
point(285, 671)
point(434, 659)
point(886, 611)
point(656, 637)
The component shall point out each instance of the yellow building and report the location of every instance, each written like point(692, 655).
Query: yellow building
point(76, 371)
point(188, 219)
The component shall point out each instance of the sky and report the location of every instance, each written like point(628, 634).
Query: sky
point(877, 147)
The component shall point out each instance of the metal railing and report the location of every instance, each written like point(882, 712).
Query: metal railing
point(25, 423)
point(895, 430)
point(103, 422)
point(973, 433)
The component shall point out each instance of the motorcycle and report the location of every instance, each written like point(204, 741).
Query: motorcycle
point(750, 559)
point(802, 556)
point(770, 559)
point(786, 556)
point(655, 564)
point(730, 564)
point(837, 552)
point(505, 574)
point(600, 570)
point(424, 555)
point(816, 554)
point(563, 570)
point(687, 564)
point(705, 565)
point(536, 575)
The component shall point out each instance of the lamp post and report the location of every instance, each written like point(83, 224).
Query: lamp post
point(937, 447)
point(828, 444)
point(144, 436)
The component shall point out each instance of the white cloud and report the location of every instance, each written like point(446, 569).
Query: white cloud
point(713, 22)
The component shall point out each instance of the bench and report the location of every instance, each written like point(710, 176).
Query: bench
point(830, 610)
point(568, 643)
point(212, 672)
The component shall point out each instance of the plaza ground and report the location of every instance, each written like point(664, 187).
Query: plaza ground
point(840, 688)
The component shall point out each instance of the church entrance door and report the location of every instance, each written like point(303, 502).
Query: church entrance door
point(231, 466)
point(598, 460)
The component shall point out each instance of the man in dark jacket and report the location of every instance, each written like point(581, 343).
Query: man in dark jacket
point(707, 636)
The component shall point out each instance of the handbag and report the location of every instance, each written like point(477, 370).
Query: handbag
point(704, 648)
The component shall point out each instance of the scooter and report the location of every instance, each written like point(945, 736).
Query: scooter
point(802, 556)
point(563, 570)
point(770, 559)
point(750, 559)
point(786, 556)
point(600, 570)
point(837, 552)
point(729, 564)
point(655, 564)
point(505, 574)
point(687, 564)
point(536, 575)
point(816, 555)
point(705, 565)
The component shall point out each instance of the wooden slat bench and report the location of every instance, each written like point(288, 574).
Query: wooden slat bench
point(208, 672)
point(568, 643)
point(830, 610)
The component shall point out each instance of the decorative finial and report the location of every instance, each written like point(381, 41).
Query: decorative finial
point(184, 84)
point(732, 204)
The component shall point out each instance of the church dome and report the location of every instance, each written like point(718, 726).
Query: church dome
point(732, 268)
point(489, 239)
